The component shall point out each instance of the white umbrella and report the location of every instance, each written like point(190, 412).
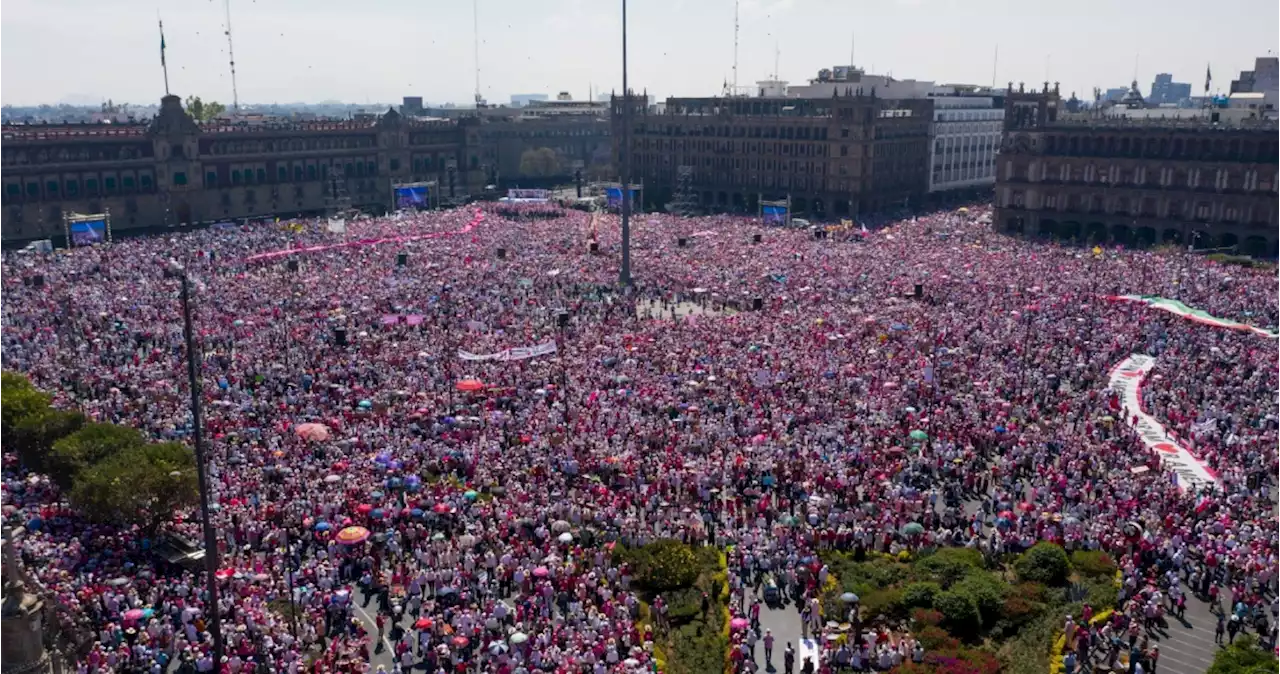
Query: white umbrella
point(519, 638)
point(566, 537)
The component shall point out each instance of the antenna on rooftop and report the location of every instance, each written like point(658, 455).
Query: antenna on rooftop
point(735, 46)
point(231, 52)
point(475, 26)
point(776, 54)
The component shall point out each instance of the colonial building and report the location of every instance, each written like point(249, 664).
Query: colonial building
point(1136, 177)
point(835, 156)
point(172, 171)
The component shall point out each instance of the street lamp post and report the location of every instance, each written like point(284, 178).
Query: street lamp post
point(625, 275)
point(210, 540)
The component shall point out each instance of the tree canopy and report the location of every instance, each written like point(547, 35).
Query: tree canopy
point(142, 485)
point(540, 163)
point(202, 111)
point(90, 445)
point(1243, 657)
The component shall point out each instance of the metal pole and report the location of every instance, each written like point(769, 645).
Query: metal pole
point(210, 541)
point(625, 275)
point(288, 574)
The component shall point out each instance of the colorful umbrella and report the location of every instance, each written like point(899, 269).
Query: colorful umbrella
point(423, 623)
point(470, 385)
point(918, 435)
point(353, 535)
point(541, 572)
point(312, 432)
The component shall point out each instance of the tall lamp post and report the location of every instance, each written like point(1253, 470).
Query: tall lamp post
point(625, 276)
point(210, 540)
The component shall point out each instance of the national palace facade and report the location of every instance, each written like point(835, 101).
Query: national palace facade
point(1206, 180)
point(170, 171)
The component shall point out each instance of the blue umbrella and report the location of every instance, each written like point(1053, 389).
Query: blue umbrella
point(898, 326)
point(365, 404)
point(34, 523)
point(376, 495)
point(323, 526)
point(767, 480)
point(416, 512)
point(848, 597)
point(395, 483)
point(1001, 429)
point(377, 513)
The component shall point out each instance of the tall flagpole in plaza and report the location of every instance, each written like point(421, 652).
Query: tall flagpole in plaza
point(625, 276)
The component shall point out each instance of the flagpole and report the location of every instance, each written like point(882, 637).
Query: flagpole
point(163, 66)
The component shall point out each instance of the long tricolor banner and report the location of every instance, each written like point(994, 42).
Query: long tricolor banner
point(1126, 380)
point(1177, 308)
point(518, 353)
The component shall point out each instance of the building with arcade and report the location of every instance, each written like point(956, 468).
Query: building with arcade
point(171, 171)
point(1133, 175)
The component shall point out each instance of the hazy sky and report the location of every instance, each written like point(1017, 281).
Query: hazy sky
point(84, 51)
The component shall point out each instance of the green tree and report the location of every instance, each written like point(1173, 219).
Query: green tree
point(36, 434)
point(142, 485)
point(92, 444)
point(204, 112)
point(539, 162)
point(13, 380)
point(960, 615)
point(1044, 563)
point(19, 400)
point(987, 592)
point(1243, 657)
point(663, 565)
point(949, 565)
point(920, 595)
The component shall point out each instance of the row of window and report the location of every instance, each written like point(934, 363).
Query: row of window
point(287, 145)
point(1193, 178)
point(71, 188)
point(954, 175)
point(1150, 207)
point(1206, 149)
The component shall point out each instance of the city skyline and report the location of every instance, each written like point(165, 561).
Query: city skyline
point(288, 51)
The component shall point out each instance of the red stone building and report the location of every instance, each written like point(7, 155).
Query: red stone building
point(835, 157)
point(1137, 178)
point(172, 171)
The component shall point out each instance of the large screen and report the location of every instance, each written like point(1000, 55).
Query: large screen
point(775, 215)
point(412, 197)
point(613, 197)
point(88, 233)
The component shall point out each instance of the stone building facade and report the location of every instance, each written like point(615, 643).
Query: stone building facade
point(835, 157)
point(172, 172)
point(1208, 181)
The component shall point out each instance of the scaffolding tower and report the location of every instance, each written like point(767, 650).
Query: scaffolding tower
point(684, 201)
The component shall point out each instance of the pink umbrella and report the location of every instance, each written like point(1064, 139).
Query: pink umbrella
point(133, 614)
point(364, 508)
point(312, 432)
point(738, 623)
point(541, 572)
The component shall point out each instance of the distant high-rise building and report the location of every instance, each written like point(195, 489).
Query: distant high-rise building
point(1114, 95)
point(1264, 79)
point(412, 105)
point(1164, 91)
point(520, 100)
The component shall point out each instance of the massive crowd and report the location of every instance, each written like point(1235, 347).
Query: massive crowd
point(491, 490)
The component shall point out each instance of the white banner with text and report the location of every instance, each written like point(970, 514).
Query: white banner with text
point(1126, 380)
point(519, 353)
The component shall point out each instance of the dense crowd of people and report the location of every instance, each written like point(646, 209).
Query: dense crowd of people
point(458, 514)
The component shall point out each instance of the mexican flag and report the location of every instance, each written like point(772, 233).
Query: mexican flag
point(1177, 308)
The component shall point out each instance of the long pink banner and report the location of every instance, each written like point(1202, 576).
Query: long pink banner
point(475, 221)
